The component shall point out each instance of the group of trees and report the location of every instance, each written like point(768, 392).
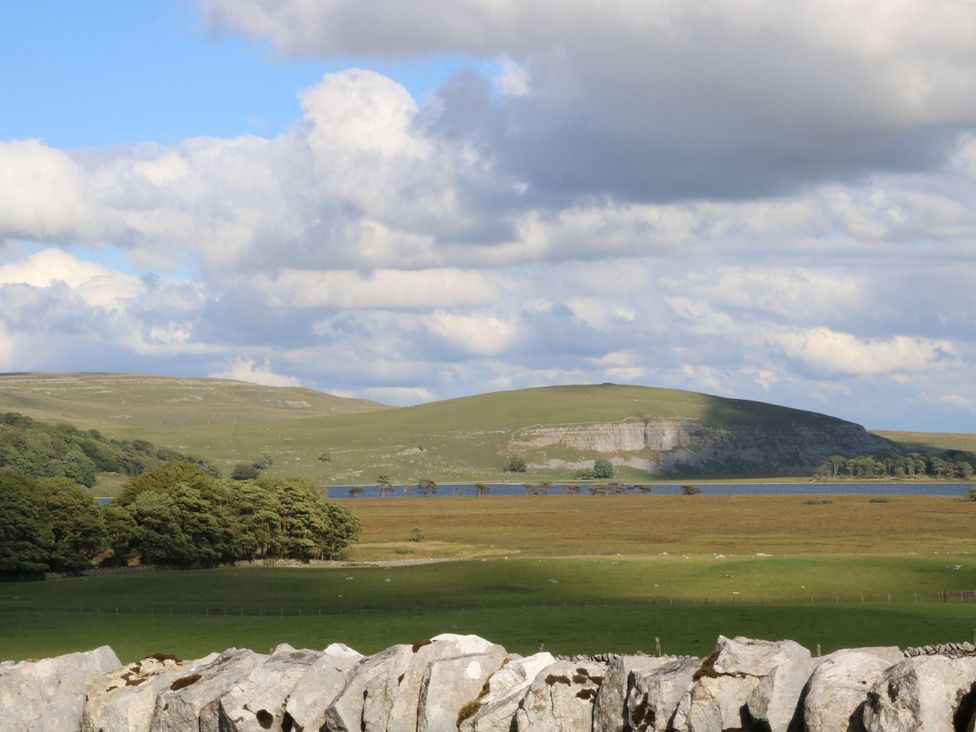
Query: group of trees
point(175, 515)
point(44, 450)
point(953, 464)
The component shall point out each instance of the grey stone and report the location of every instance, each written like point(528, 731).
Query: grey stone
point(257, 701)
point(192, 701)
point(654, 695)
point(453, 684)
point(921, 693)
point(561, 698)
point(124, 700)
point(49, 695)
point(318, 688)
point(506, 688)
point(610, 707)
point(837, 690)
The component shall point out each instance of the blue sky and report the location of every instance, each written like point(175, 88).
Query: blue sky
point(411, 201)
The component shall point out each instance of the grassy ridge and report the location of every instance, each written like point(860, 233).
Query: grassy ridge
point(924, 441)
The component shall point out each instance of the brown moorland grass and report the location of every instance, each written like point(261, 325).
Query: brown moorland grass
point(643, 525)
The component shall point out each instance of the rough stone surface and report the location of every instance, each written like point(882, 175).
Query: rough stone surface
point(930, 693)
point(347, 713)
point(403, 714)
point(50, 694)
point(561, 698)
point(192, 701)
point(318, 688)
point(505, 690)
point(257, 701)
point(654, 695)
point(124, 700)
point(609, 709)
point(727, 679)
point(775, 702)
point(452, 684)
point(837, 690)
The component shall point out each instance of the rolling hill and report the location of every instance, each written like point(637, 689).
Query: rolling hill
point(557, 430)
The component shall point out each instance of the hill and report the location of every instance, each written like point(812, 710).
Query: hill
point(141, 403)
point(557, 430)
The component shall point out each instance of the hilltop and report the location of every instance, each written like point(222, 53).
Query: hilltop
point(557, 430)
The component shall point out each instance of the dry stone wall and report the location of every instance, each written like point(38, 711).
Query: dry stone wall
point(458, 682)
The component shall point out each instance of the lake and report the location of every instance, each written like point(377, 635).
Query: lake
point(715, 489)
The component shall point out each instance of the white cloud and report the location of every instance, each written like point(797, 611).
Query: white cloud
point(247, 369)
point(481, 334)
point(96, 284)
point(830, 352)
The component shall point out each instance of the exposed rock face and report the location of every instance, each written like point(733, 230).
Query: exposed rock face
point(125, 700)
point(654, 695)
point(505, 690)
point(730, 679)
point(930, 693)
point(192, 701)
point(50, 694)
point(466, 683)
point(610, 708)
point(838, 689)
point(257, 701)
point(670, 444)
point(561, 698)
point(318, 688)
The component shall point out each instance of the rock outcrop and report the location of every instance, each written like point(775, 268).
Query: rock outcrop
point(463, 682)
point(669, 445)
point(50, 694)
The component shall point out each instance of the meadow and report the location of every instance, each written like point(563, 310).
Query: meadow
point(573, 573)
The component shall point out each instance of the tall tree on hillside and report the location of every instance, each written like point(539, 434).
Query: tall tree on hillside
point(25, 538)
point(76, 522)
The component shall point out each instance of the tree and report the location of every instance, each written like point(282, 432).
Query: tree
point(310, 527)
point(690, 490)
point(480, 490)
point(25, 538)
point(383, 483)
point(253, 513)
point(165, 478)
point(355, 491)
point(426, 487)
point(515, 464)
point(76, 522)
point(837, 463)
point(602, 468)
point(120, 533)
point(544, 487)
point(245, 471)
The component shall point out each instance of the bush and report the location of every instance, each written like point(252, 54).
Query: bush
point(602, 468)
point(515, 464)
point(971, 494)
point(690, 490)
point(818, 502)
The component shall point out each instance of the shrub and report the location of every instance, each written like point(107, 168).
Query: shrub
point(515, 464)
point(690, 490)
point(602, 468)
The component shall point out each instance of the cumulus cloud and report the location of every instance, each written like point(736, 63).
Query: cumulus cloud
point(830, 353)
point(242, 368)
point(624, 100)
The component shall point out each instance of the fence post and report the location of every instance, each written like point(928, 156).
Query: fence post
point(657, 645)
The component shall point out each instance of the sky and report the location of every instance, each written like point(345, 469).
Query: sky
point(415, 201)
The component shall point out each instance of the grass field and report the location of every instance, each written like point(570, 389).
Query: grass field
point(577, 573)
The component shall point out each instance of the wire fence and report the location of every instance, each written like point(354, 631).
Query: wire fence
point(312, 611)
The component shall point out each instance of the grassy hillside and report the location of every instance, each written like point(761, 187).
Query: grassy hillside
point(926, 441)
point(131, 402)
point(352, 441)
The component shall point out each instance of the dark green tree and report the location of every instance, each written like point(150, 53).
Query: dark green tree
point(76, 522)
point(26, 539)
point(602, 468)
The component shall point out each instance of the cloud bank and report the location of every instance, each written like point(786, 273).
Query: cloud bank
point(734, 197)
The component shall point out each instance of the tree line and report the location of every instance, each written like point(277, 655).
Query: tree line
point(952, 464)
point(175, 514)
point(43, 450)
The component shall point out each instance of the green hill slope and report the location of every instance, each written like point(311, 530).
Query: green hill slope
point(644, 431)
point(143, 404)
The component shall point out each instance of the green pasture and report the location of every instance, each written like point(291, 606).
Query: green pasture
point(570, 605)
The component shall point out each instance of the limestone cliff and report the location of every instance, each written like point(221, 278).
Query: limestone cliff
point(692, 446)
